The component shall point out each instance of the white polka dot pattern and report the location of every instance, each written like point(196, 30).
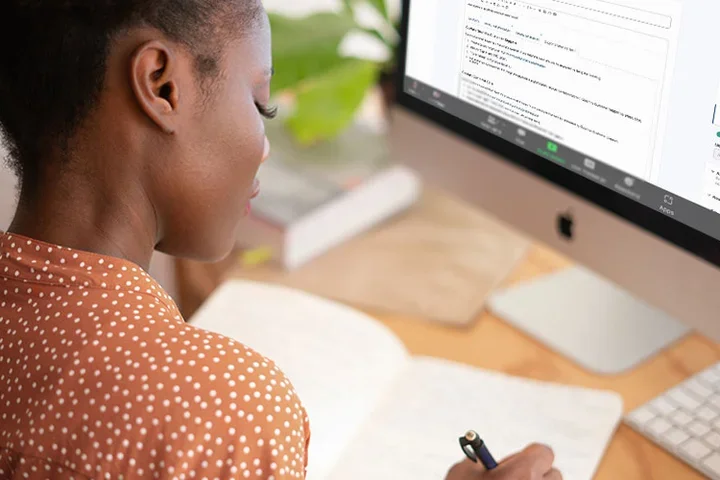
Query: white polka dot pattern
point(100, 377)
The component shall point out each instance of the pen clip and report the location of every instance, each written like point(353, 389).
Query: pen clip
point(467, 447)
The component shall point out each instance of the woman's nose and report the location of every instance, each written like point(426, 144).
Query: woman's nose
point(266, 153)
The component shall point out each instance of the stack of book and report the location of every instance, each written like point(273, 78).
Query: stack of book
point(315, 198)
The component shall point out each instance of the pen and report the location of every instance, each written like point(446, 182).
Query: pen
point(476, 450)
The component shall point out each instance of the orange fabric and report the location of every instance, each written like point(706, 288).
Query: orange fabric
point(100, 377)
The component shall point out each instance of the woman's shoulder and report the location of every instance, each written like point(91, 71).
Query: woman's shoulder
point(142, 341)
point(203, 390)
point(185, 361)
point(231, 399)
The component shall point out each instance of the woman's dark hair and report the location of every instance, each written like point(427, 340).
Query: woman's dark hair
point(53, 60)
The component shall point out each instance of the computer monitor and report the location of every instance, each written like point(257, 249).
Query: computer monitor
point(594, 127)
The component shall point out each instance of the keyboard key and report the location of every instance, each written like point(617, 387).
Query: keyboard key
point(695, 449)
point(698, 388)
point(712, 463)
point(684, 399)
point(706, 413)
point(663, 406)
point(641, 416)
point(659, 425)
point(698, 429)
point(675, 437)
point(713, 439)
point(680, 418)
point(710, 376)
point(714, 400)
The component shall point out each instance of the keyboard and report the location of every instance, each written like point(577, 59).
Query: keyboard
point(685, 421)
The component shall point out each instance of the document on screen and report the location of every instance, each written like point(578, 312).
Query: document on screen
point(588, 73)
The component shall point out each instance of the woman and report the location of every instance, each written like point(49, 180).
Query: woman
point(134, 126)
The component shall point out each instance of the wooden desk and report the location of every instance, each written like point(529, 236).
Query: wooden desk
point(493, 344)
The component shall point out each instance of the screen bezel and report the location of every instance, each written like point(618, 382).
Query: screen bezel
point(683, 236)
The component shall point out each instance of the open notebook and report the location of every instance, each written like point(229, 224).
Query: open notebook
point(376, 412)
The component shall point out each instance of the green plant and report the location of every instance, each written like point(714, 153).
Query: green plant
point(325, 86)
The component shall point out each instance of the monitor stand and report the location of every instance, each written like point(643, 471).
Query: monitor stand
point(589, 320)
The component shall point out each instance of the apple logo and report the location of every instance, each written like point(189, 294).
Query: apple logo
point(566, 225)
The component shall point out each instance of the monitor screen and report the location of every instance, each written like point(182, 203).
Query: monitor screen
point(625, 93)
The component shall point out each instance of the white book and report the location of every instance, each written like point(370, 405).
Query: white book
point(376, 412)
point(299, 216)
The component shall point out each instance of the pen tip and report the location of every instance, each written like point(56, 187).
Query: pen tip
point(471, 436)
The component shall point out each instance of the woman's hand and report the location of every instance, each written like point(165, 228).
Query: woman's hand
point(533, 463)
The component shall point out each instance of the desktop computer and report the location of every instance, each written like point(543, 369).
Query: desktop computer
point(592, 126)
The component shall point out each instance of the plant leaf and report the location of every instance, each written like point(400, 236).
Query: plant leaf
point(381, 7)
point(306, 47)
point(328, 104)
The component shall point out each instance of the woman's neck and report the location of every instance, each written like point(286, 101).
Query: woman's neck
point(85, 214)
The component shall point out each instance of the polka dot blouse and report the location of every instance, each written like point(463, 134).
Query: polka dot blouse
point(100, 377)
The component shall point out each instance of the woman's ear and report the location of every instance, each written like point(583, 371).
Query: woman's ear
point(153, 71)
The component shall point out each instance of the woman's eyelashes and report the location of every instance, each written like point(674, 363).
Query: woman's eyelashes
point(266, 111)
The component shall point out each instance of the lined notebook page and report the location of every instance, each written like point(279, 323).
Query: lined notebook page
point(414, 434)
point(340, 361)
